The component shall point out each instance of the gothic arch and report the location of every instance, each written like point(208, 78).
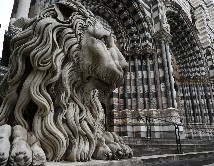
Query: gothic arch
point(186, 49)
point(128, 20)
point(193, 85)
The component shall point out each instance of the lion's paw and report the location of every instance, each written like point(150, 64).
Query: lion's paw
point(127, 151)
point(4, 150)
point(102, 151)
point(21, 153)
point(5, 132)
point(117, 151)
point(39, 157)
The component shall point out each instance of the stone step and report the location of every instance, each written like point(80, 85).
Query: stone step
point(186, 159)
point(162, 146)
point(168, 141)
point(156, 149)
point(167, 146)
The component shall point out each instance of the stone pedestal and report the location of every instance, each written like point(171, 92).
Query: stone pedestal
point(147, 123)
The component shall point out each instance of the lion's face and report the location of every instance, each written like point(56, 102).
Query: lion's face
point(58, 59)
point(101, 58)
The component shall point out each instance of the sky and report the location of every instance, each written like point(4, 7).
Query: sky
point(5, 13)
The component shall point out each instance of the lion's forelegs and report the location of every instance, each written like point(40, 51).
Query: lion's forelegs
point(114, 146)
point(38, 155)
point(26, 149)
point(102, 151)
point(127, 151)
point(21, 153)
point(5, 132)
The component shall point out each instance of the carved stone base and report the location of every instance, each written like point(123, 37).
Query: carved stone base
point(139, 123)
point(23, 149)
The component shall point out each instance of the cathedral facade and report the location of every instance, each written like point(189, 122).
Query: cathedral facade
point(169, 46)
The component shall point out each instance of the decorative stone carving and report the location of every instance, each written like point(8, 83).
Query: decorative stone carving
point(5, 132)
point(59, 61)
point(163, 34)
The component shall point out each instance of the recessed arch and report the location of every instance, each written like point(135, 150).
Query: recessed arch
point(127, 18)
point(185, 47)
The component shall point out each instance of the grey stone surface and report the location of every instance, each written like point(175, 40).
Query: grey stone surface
point(129, 162)
point(60, 61)
point(187, 159)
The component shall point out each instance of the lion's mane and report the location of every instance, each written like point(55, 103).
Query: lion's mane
point(44, 81)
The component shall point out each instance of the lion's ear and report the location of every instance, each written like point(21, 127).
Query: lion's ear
point(63, 11)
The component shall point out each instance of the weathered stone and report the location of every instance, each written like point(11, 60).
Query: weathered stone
point(60, 61)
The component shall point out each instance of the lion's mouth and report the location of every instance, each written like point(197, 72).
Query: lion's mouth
point(100, 84)
point(103, 80)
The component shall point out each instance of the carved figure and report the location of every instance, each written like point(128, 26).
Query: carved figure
point(59, 62)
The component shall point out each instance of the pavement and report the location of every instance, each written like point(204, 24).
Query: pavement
point(186, 159)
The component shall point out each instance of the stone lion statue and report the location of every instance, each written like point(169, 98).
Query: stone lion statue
point(50, 109)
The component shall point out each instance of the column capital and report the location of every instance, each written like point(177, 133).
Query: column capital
point(148, 51)
point(163, 34)
point(137, 51)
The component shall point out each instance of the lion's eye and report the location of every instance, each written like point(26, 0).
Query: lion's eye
point(104, 40)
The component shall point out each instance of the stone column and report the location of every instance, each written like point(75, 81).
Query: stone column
point(125, 93)
point(137, 82)
point(158, 88)
point(130, 83)
point(186, 107)
point(162, 37)
point(193, 103)
point(197, 101)
point(149, 79)
point(171, 79)
point(166, 74)
point(23, 9)
point(208, 103)
point(189, 102)
point(205, 107)
point(143, 83)
point(200, 103)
